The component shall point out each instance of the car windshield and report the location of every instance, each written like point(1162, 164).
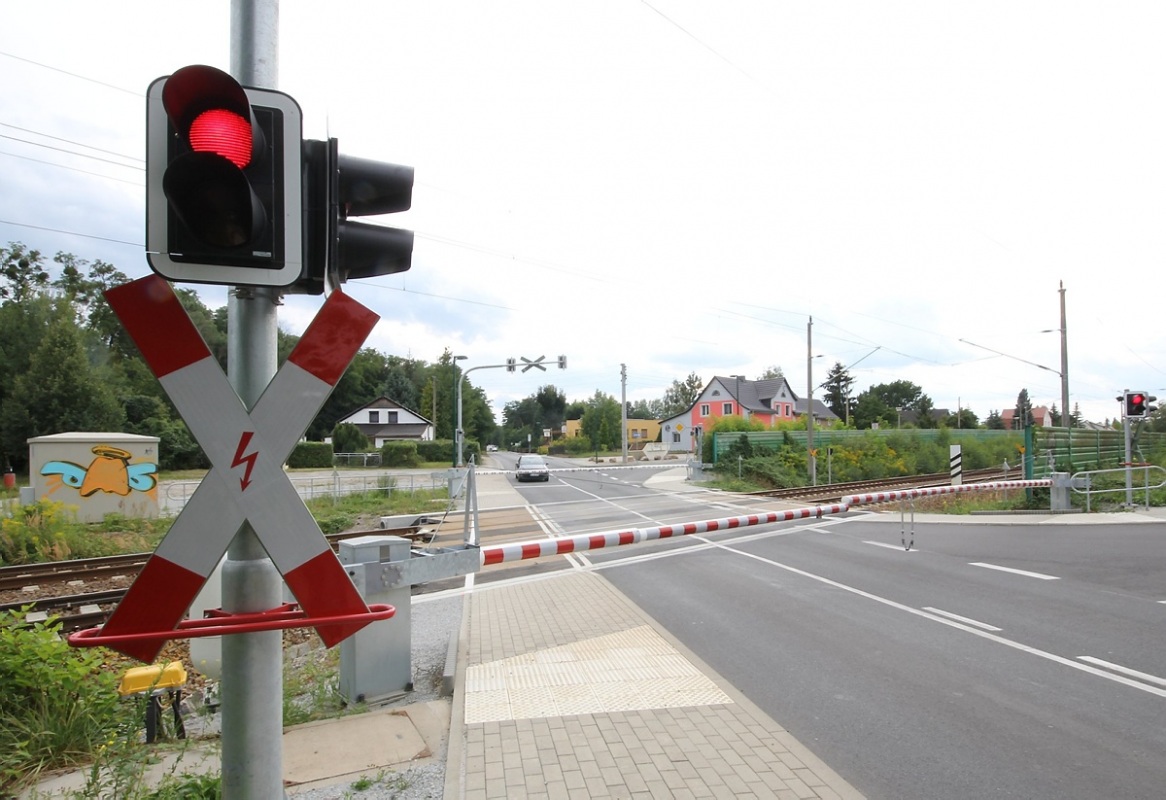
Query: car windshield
point(531, 461)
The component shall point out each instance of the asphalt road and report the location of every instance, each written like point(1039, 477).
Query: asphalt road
point(992, 661)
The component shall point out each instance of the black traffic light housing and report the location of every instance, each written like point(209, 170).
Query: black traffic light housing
point(224, 187)
point(1137, 405)
point(337, 187)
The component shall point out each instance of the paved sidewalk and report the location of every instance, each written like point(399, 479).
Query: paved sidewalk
point(565, 689)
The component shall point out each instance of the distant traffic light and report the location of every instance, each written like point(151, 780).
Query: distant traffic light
point(511, 364)
point(223, 181)
point(339, 187)
point(562, 362)
point(1137, 405)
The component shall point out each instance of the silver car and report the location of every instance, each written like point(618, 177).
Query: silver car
point(532, 468)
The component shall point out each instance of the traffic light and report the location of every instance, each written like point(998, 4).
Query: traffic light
point(1137, 405)
point(511, 364)
point(339, 187)
point(223, 181)
point(562, 362)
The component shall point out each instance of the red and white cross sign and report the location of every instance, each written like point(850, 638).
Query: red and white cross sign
point(246, 482)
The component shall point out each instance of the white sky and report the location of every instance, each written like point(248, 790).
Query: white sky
point(679, 185)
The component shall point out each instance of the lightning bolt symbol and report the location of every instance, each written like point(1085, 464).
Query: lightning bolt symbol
point(248, 459)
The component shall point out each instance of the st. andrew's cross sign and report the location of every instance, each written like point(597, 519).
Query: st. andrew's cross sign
point(246, 482)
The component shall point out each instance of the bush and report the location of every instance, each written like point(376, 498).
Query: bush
point(347, 438)
point(59, 708)
point(400, 454)
point(436, 450)
point(317, 455)
point(37, 532)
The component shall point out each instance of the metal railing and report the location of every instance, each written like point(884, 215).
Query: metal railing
point(1084, 483)
point(313, 487)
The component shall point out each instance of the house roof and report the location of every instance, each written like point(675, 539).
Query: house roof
point(409, 430)
point(758, 395)
point(384, 402)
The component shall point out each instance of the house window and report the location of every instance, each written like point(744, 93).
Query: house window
point(727, 408)
point(704, 409)
point(675, 438)
point(392, 417)
point(374, 417)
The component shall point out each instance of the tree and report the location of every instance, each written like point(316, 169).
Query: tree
point(994, 422)
point(60, 392)
point(772, 373)
point(602, 422)
point(965, 419)
point(681, 395)
point(347, 438)
point(838, 385)
point(1023, 417)
point(924, 418)
point(645, 409)
point(23, 272)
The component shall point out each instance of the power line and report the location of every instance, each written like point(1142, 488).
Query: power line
point(71, 141)
point(71, 74)
point(72, 153)
point(74, 169)
point(69, 233)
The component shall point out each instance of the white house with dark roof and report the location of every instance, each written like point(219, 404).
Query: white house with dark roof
point(384, 420)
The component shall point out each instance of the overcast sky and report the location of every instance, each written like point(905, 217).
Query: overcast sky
point(679, 186)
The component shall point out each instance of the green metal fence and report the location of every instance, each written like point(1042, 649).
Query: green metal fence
point(1044, 450)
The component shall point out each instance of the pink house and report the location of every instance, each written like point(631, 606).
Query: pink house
point(770, 401)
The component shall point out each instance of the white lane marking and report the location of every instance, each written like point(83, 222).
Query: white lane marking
point(554, 531)
point(968, 620)
point(1026, 573)
point(1133, 673)
point(1024, 648)
point(898, 547)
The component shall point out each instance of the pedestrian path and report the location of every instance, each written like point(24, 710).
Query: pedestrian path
point(567, 689)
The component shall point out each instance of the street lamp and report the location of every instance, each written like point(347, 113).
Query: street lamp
point(458, 377)
point(510, 366)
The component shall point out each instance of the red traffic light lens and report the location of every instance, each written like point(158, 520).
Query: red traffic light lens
point(1137, 399)
point(224, 133)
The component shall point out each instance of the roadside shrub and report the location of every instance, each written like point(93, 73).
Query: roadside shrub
point(37, 532)
point(316, 455)
point(436, 450)
point(347, 438)
point(59, 708)
point(400, 454)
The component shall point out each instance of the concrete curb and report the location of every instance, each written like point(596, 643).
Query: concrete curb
point(455, 745)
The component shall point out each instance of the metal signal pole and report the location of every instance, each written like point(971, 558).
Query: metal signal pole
point(252, 663)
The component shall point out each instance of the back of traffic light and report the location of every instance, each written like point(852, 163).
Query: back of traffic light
point(338, 187)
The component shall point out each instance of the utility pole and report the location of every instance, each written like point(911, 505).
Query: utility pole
point(1064, 363)
point(623, 405)
point(810, 402)
point(252, 682)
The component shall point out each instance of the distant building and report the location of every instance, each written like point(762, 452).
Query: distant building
point(770, 401)
point(1042, 417)
point(384, 420)
point(639, 430)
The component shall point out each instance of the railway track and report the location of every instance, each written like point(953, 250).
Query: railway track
point(33, 585)
point(834, 492)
